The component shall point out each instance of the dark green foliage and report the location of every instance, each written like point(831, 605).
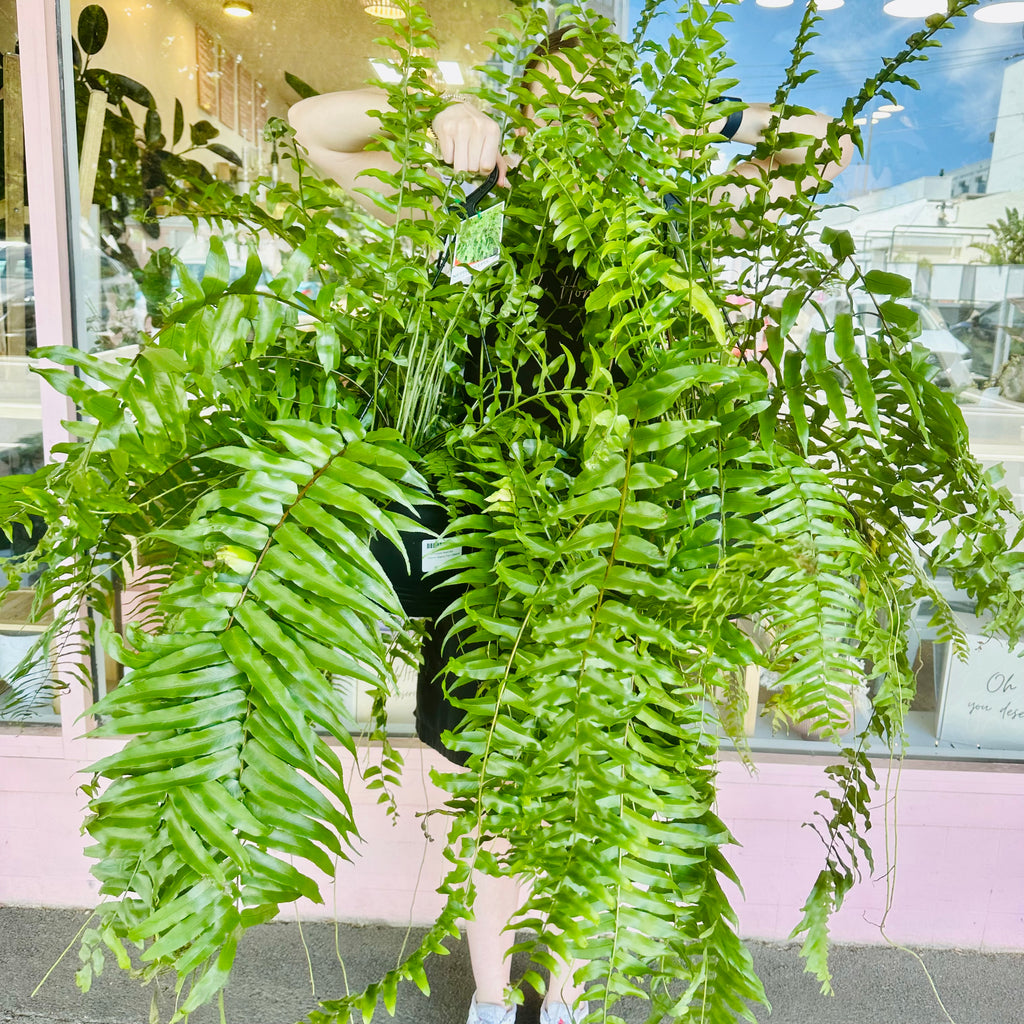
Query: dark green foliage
point(93, 26)
point(302, 88)
point(135, 172)
point(1008, 246)
point(620, 502)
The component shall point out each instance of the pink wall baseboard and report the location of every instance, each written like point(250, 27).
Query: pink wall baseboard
point(954, 851)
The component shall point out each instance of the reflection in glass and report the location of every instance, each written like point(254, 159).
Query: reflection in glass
point(21, 439)
point(173, 93)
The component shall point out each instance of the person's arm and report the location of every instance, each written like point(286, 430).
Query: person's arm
point(335, 129)
point(755, 121)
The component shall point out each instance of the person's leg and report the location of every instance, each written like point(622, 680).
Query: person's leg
point(561, 988)
point(563, 999)
point(496, 900)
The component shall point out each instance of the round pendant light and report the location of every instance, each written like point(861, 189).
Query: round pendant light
point(829, 5)
point(1001, 14)
point(237, 8)
point(774, 3)
point(387, 9)
point(914, 8)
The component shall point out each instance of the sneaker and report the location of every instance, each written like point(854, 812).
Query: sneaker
point(559, 1013)
point(490, 1013)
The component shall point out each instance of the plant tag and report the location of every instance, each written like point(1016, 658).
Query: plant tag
point(477, 243)
point(435, 555)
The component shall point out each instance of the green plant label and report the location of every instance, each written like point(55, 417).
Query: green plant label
point(478, 243)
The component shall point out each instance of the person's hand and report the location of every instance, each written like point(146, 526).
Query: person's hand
point(470, 141)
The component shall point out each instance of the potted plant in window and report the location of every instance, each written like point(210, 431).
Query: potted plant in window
point(615, 510)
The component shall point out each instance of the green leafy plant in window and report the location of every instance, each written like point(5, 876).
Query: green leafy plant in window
point(618, 507)
point(1008, 241)
point(136, 170)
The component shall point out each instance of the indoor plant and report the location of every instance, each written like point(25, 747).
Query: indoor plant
point(613, 530)
point(136, 170)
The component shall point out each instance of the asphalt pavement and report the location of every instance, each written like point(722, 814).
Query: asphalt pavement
point(271, 983)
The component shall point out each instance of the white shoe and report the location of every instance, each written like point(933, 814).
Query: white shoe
point(490, 1013)
point(559, 1013)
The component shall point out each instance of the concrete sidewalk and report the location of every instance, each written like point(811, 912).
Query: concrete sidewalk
point(271, 982)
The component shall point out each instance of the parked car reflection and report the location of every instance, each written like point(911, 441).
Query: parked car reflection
point(947, 352)
point(993, 335)
point(109, 295)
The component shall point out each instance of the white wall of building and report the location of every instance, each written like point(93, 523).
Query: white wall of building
point(1007, 171)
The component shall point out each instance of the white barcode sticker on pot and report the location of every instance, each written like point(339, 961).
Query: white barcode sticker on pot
point(436, 554)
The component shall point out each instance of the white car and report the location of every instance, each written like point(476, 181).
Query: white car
point(948, 353)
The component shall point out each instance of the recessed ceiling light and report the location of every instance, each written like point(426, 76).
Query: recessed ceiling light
point(1001, 14)
point(237, 8)
point(914, 8)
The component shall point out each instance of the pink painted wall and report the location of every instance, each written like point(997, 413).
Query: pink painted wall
point(954, 837)
point(959, 873)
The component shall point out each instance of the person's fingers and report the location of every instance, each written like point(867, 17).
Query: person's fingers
point(446, 143)
point(470, 142)
point(463, 160)
point(487, 153)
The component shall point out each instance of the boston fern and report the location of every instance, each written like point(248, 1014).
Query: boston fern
point(616, 513)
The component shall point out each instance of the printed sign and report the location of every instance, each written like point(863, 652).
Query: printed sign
point(478, 243)
point(246, 106)
point(228, 109)
point(983, 698)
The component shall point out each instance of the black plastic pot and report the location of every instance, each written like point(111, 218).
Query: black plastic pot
point(424, 594)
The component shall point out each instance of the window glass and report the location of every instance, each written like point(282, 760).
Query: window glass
point(21, 438)
point(172, 89)
point(166, 89)
point(937, 195)
point(937, 192)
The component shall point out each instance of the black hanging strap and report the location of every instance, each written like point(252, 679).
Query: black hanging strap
point(467, 207)
point(734, 120)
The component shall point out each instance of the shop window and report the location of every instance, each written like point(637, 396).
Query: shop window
point(936, 195)
point(176, 89)
point(177, 93)
point(21, 438)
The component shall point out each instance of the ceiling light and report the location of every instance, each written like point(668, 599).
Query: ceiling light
point(880, 115)
point(829, 5)
point(383, 9)
point(774, 3)
point(891, 108)
point(915, 8)
point(451, 72)
point(237, 8)
point(384, 71)
point(1001, 14)
point(860, 120)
